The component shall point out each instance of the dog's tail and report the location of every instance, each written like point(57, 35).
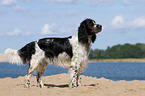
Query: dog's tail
point(13, 56)
point(21, 56)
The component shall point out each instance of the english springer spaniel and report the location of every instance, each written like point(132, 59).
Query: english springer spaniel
point(70, 52)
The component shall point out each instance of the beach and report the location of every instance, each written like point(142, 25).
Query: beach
point(56, 85)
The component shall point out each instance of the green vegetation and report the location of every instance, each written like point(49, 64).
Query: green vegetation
point(119, 51)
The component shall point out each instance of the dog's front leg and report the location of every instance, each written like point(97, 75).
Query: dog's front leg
point(79, 83)
point(73, 76)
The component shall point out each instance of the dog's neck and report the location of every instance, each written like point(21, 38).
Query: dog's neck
point(88, 45)
point(90, 39)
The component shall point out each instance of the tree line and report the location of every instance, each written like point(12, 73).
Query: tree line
point(119, 51)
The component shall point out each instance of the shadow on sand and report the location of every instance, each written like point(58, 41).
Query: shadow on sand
point(53, 85)
point(62, 86)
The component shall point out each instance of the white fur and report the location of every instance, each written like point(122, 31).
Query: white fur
point(62, 60)
point(80, 54)
point(13, 56)
point(76, 63)
point(39, 60)
point(38, 56)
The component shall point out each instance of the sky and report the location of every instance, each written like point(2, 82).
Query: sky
point(24, 21)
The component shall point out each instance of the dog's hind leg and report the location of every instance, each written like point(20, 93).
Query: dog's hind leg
point(41, 69)
point(32, 67)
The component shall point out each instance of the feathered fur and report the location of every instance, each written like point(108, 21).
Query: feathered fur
point(70, 52)
point(13, 56)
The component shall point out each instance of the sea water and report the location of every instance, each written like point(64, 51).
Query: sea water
point(111, 70)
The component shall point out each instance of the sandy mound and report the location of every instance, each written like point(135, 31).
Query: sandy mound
point(56, 85)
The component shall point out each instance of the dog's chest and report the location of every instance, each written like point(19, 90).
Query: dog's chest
point(80, 51)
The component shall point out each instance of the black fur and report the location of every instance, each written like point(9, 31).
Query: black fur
point(54, 46)
point(87, 29)
point(75, 51)
point(93, 38)
point(26, 52)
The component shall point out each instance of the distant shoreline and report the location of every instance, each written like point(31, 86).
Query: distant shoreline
point(3, 58)
point(119, 60)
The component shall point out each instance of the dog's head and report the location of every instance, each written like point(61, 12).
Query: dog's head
point(88, 28)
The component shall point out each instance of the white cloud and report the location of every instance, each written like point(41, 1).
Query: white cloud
point(138, 23)
point(17, 32)
point(51, 29)
point(118, 22)
point(26, 33)
point(48, 29)
point(72, 12)
point(101, 2)
point(62, 1)
point(140, 1)
point(14, 5)
point(8, 2)
point(125, 2)
point(26, 0)
point(20, 8)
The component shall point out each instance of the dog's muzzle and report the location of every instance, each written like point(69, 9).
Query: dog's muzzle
point(98, 28)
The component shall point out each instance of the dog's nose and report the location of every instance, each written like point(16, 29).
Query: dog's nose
point(99, 26)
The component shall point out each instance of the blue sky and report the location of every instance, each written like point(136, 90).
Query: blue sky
point(23, 21)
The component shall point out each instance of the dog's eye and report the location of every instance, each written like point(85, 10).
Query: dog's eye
point(91, 23)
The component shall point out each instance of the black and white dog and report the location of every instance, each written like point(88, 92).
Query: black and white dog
point(70, 52)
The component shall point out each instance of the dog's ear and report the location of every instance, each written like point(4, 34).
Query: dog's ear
point(93, 38)
point(82, 33)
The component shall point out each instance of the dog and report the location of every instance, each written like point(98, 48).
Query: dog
point(70, 52)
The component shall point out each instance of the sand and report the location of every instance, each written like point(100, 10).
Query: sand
point(56, 85)
point(3, 58)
